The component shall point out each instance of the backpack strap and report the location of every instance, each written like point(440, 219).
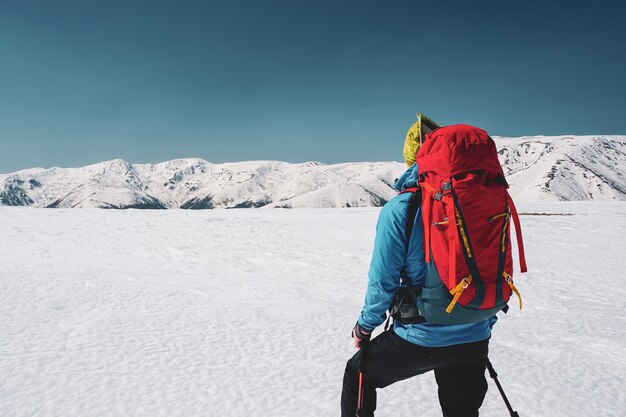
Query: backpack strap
point(414, 203)
point(518, 233)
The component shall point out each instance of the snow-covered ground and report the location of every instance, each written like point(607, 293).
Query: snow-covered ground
point(248, 313)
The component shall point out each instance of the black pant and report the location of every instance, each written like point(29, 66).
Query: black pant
point(459, 371)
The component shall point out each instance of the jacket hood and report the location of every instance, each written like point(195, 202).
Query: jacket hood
point(408, 179)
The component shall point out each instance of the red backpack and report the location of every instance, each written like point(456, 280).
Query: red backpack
point(467, 211)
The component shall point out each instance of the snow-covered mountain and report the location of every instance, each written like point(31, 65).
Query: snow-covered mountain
point(198, 184)
point(570, 168)
point(538, 168)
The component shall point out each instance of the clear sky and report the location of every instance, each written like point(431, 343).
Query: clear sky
point(85, 81)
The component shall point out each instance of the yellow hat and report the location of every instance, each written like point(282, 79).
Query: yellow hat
point(414, 137)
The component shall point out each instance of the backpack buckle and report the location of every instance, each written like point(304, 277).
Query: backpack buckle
point(446, 186)
point(438, 196)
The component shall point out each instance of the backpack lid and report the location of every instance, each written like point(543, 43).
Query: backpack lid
point(456, 149)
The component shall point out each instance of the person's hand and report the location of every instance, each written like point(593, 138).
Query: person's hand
point(360, 336)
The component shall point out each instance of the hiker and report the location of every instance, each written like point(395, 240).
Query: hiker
point(457, 353)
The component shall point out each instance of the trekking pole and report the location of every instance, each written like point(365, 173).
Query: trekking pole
point(359, 406)
point(494, 375)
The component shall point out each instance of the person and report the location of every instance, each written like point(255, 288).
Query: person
point(457, 353)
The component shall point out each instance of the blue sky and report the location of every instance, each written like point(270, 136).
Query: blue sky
point(333, 81)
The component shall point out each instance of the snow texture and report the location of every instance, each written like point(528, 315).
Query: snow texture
point(538, 168)
point(248, 313)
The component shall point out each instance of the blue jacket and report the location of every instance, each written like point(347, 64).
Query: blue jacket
point(389, 258)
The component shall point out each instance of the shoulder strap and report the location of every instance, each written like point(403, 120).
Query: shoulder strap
point(414, 203)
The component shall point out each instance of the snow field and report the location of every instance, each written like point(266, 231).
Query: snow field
point(248, 313)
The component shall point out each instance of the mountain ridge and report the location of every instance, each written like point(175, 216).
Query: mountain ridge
point(538, 168)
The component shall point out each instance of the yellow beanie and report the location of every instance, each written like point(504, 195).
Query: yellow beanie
point(414, 137)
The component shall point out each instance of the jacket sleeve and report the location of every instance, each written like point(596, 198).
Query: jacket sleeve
point(388, 259)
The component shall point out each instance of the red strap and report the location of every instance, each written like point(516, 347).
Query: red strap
point(518, 233)
point(409, 190)
point(452, 239)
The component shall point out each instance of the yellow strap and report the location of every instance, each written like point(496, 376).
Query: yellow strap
point(506, 223)
point(459, 222)
point(509, 281)
point(498, 216)
point(457, 291)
